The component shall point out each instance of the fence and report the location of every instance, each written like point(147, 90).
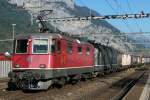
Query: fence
point(5, 66)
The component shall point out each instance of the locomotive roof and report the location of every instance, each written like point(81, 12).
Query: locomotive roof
point(47, 35)
point(37, 35)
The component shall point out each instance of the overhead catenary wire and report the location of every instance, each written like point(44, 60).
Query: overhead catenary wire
point(129, 7)
point(109, 4)
point(120, 7)
point(124, 17)
point(128, 3)
point(90, 10)
point(136, 23)
point(121, 10)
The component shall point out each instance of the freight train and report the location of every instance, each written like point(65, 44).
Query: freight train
point(41, 60)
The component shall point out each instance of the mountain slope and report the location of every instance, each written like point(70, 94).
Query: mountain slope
point(64, 8)
point(9, 15)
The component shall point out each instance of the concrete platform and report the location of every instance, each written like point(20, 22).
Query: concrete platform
point(141, 91)
point(3, 83)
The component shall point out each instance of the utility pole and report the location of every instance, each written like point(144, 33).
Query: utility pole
point(13, 31)
point(13, 34)
point(31, 18)
point(90, 15)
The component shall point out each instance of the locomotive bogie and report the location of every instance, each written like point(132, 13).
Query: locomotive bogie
point(36, 79)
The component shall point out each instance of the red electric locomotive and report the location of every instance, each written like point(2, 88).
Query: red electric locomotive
point(39, 60)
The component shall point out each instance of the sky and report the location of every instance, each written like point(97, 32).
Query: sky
point(113, 7)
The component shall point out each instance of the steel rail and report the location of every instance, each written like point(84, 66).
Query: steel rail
point(126, 89)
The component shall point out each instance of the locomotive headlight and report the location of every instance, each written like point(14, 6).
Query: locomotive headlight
point(17, 66)
point(42, 66)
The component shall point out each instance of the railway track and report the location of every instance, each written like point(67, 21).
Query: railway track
point(114, 91)
point(134, 80)
point(128, 86)
point(99, 89)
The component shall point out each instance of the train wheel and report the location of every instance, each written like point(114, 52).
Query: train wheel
point(84, 77)
point(60, 82)
point(73, 82)
point(87, 76)
point(11, 86)
point(20, 84)
point(91, 76)
point(74, 79)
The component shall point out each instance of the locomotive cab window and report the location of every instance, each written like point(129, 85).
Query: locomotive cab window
point(52, 45)
point(40, 46)
point(87, 50)
point(79, 49)
point(69, 48)
point(21, 46)
point(58, 46)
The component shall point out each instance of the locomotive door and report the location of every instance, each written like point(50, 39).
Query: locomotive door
point(60, 53)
